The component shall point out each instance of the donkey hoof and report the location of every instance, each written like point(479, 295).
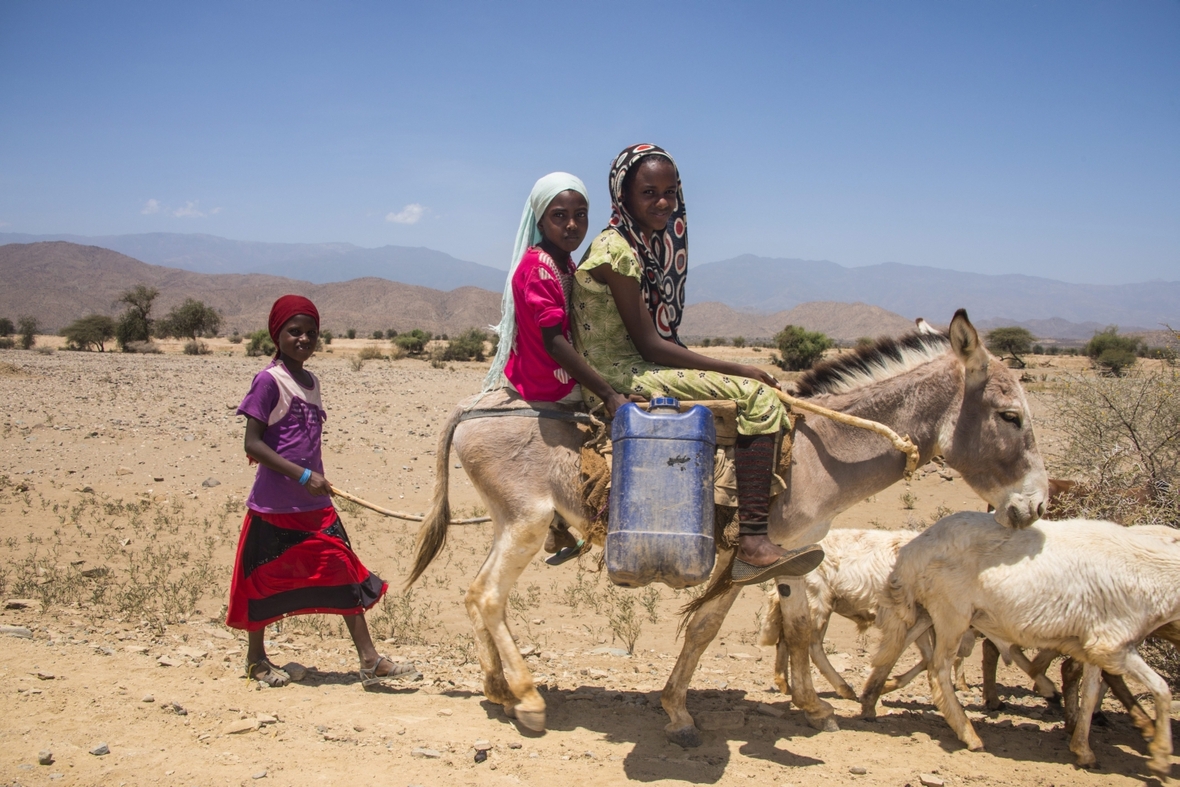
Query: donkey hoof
point(823, 723)
point(686, 737)
point(531, 719)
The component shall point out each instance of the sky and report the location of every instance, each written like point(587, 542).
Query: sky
point(998, 137)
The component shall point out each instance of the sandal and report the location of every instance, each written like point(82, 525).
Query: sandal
point(794, 563)
point(265, 672)
point(567, 553)
point(400, 671)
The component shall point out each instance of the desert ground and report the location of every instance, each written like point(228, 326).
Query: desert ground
point(122, 482)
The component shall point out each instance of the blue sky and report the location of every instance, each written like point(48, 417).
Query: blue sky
point(997, 137)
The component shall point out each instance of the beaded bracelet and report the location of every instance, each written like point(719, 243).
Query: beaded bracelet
point(303, 479)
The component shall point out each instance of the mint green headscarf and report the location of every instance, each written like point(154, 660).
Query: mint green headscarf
point(528, 235)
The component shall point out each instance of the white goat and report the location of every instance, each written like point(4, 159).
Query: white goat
point(1090, 590)
point(854, 574)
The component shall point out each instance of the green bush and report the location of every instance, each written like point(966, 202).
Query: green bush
point(27, 328)
point(93, 331)
point(1112, 353)
point(739, 341)
point(800, 348)
point(6, 343)
point(1010, 341)
point(260, 344)
point(6, 327)
point(465, 347)
point(196, 347)
point(350, 333)
point(326, 337)
point(413, 342)
point(390, 333)
point(236, 338)
point(378, 334)
point(190, 320)
point(135, 324)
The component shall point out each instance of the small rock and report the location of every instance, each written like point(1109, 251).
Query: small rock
point(445, 712)
point(87, 489)
point(16, 631)
point(215, 482)
point(259, 775)
point(100, 750)
point(45, 757)
point(191, 653)
point(264, 719)
point(429, 754)
point(528, 650)
point(598, 673)
point(514, 744)
point(241, 726)
point(95, 573)
point(930, 780)
point(168, 661)
point(175, 707)
point(721, 720)
point(742, 656)
point(482, 745)
point(297, 671)
point(481, 755)
point(135, 649)
point(157, 478)
point(856, 770)
point(41, 675)
point(148, 698)
point(219, 633)
point(769, 710)
point(20, 603)
point(123, 471)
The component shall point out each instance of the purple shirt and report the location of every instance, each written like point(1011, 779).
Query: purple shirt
point(294, 417)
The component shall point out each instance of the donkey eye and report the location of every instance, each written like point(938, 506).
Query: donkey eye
point(1011, 416)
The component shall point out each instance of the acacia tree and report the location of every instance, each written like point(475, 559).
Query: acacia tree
point(1112, 352)
point(6, 327)
point(1010, 341)
point(92, 331)
point(799, 348)
point(135, 324)
point(27, 327)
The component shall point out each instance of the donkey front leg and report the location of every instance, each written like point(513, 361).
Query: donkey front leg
point(702, 628)
point(797, 631)
point(486, 601)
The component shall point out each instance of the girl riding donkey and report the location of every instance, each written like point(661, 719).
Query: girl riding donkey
point(294, 557)
point(628, 300)
point(535, 353)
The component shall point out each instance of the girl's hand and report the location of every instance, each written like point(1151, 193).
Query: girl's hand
point(318, 485)
point(754, 373)
point(617, 400)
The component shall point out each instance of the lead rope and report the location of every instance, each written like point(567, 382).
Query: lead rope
point(398, 514)
point(903, 444)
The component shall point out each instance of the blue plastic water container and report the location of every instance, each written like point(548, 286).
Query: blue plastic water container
point(661, 499)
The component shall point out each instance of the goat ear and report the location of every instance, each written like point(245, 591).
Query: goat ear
point(965, 341)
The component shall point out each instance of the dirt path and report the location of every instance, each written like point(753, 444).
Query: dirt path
point(107, 526)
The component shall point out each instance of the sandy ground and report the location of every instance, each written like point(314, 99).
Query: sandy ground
point(121, 487)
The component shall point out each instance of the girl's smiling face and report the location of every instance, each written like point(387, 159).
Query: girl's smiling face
point(650, 196)
point(566, 220)
point(298, 337)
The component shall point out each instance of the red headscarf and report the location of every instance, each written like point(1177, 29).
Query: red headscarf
point(284, 309)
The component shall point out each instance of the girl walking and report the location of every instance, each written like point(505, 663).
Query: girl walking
point(294, 557)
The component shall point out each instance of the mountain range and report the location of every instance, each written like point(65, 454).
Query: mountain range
point(746, 295)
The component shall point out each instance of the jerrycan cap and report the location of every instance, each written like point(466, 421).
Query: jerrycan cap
point(664, 403)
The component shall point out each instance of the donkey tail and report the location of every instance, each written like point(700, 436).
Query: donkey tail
point(432, 536)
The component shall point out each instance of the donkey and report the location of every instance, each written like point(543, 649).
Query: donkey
point(946, 392)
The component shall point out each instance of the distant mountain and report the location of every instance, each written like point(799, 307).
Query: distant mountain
point(59, 282)
point(318, 263)
point(768, 285)
point(845, 322)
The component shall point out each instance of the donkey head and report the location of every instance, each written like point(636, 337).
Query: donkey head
point(991, 441)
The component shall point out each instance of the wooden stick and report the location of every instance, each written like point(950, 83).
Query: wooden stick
point(398, 514)
point(903, 444)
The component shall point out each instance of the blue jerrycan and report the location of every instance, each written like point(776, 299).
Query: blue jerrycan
point(661, 498)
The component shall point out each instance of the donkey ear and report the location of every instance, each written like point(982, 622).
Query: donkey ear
point(965, 341)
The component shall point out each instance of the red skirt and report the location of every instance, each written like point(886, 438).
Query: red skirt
point(297, 564)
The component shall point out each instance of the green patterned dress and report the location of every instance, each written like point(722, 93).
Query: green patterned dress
point(602, 339)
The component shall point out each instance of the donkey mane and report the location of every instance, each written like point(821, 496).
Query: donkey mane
point(884, 359)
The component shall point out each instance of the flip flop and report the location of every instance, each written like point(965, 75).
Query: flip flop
point(795, 563)
point(567, 553)
point(401, 671)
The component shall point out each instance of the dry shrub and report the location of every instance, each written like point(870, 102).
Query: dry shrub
point(196, 347)
point(143, 348)
point(370, 353)
point(397, 352)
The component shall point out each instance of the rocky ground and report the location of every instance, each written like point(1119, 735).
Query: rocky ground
point(121, 488)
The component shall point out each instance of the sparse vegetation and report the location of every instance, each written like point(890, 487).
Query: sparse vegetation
point(467, 346)
point(6, 327)
point(370, 353)
point(413, 342)
point(135, 324)
point(27, 326)
point(378, 334)
point(739, 341)
point(260, 344)
point(190, 320)
point(196, 347)
point(350, 333)
point(1114, 353)
point(800, 348)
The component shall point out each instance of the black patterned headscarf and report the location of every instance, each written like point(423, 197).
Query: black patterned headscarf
point(664, 254)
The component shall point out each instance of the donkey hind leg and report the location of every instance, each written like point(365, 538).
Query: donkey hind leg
point(797, 631)
point(507, 679)
point(701, 629)
point(946, 648)
point(820, 658)
point(1079, 741)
